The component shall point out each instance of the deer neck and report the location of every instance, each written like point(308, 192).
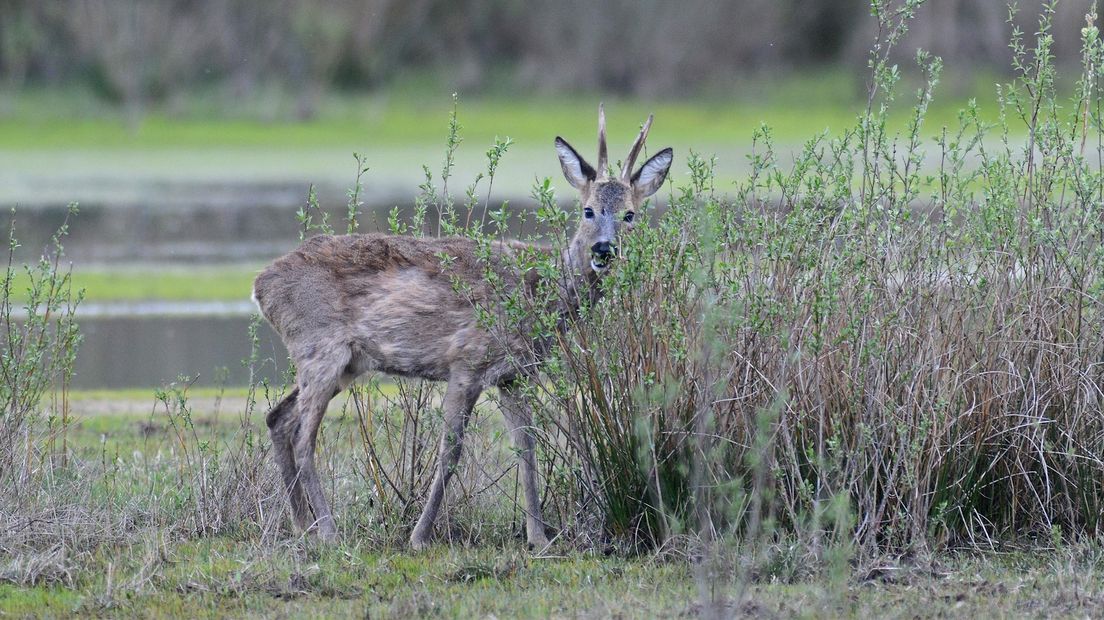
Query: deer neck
point(578, 281)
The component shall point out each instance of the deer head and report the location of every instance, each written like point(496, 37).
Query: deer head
point(609, 203)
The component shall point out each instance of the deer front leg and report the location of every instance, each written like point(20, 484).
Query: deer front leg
point(460, 397)
point(519, 419)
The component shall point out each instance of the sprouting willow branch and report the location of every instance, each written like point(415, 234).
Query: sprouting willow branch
point(38, 351)
point(354, 204)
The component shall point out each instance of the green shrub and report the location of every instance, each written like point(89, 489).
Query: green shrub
point(911, 329)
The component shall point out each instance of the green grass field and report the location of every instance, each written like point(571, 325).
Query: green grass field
point(219, 578)
point(60, 146)
point(414, 111)
point(133, 283)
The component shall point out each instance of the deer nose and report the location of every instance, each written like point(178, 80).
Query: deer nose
point(602, 249)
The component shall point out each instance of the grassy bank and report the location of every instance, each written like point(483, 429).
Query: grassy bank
point(133, 283)
point(219, 578)
point(415, 111)
point(147, 572)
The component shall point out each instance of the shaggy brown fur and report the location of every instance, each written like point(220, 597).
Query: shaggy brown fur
point(347, 305)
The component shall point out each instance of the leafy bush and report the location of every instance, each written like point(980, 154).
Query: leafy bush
point(912, 331)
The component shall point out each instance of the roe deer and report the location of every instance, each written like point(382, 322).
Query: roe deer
point(346, 305)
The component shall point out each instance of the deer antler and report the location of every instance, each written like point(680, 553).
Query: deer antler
point(626, 170)
point(602, 156)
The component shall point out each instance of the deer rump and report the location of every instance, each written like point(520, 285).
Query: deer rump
point(391, 303)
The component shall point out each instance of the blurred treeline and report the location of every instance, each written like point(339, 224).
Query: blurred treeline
point(137, 52)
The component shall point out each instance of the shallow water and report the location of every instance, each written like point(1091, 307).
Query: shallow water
point(123, 350)
point(152, 343)
point(204, 226)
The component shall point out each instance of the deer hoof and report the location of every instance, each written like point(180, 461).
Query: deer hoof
point(419, 538)
point(539, 544)
point(324, 530)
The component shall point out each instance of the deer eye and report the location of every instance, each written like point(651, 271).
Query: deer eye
point(589, 213)
point(629, 216)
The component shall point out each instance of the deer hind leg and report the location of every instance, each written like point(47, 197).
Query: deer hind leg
point(519, 420)
point(320, 379)
point(460, 397)
point(283, 420)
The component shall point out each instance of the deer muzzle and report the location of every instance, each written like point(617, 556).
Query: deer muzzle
point(600, 255)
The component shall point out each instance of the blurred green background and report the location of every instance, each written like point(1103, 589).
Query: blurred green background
point(101, 98)
point(190, 130)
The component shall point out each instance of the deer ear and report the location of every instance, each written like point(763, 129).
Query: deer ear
point(653, 173)
point(577, 172)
